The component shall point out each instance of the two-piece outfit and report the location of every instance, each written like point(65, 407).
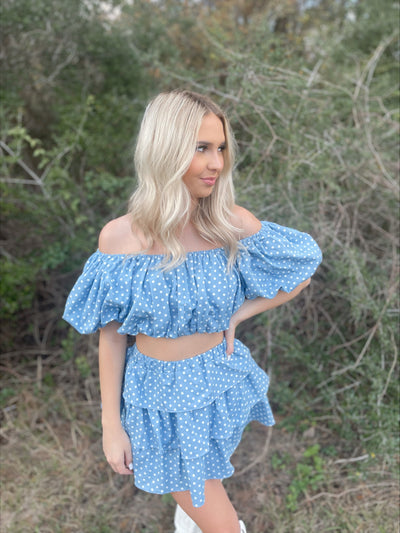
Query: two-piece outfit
point(185, 418)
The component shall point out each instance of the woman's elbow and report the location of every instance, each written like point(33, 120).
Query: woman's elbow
point(301, 286)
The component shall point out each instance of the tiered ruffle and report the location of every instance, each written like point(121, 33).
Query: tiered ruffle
point(198, 296)
point(185, 418)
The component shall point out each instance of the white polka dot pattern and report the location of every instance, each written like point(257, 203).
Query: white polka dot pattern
point(185, 418)
point(197, 296)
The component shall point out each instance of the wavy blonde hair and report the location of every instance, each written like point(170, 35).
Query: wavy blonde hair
point(160, 206)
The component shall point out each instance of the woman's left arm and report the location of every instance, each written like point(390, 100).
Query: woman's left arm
point(253, 307)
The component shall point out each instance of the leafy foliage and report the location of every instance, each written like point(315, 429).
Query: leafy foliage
point(312, 91)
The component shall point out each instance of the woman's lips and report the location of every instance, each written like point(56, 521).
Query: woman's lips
point(209, 181)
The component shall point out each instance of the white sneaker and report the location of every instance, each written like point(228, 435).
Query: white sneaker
point(183, 523)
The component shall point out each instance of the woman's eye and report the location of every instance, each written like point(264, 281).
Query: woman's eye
point(201, 148)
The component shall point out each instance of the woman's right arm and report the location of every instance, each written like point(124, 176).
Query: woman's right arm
point(116, 443)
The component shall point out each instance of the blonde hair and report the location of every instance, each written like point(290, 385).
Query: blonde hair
point(165, 147)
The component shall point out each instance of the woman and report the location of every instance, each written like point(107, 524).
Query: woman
point(180, 271)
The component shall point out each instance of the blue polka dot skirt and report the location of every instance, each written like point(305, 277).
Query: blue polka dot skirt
point(185, 418)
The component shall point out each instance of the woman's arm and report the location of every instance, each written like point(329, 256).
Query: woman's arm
point(116, 443)
point(254, 307)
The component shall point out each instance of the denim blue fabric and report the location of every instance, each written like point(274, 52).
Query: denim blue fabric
point(185, 418)
point(200, 295)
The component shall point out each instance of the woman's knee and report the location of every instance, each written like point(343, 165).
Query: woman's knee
point(217, 515)
point(225, 528)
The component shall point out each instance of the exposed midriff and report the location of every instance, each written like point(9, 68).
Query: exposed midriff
point(180, 348)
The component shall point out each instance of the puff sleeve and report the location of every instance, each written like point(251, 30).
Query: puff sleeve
point(277, 258)
point(92, 303)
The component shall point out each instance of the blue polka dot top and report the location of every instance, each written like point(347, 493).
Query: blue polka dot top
point(199, 295)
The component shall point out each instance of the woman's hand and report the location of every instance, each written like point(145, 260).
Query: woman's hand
point(116, 443)
point(117, 449)
point(230, 335)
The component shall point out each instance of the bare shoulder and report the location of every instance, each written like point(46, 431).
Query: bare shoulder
point(117, 237)
point(247, 223)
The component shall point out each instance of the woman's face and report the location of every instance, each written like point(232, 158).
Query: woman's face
point(208, 161)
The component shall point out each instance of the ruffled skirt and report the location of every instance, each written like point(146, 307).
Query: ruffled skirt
point(185, 418)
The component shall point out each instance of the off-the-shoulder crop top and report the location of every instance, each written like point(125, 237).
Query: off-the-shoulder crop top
point(199, 295)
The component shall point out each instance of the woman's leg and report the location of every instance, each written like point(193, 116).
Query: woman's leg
point(217, 515)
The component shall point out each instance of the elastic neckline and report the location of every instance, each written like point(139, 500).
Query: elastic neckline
point(192, 252)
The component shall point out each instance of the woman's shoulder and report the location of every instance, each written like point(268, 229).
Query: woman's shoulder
point(118, 237)
point(245, 221)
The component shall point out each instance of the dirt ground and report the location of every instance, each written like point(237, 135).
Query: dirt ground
point(55, 479)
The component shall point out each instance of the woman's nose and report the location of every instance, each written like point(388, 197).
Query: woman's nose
point(216, 161)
